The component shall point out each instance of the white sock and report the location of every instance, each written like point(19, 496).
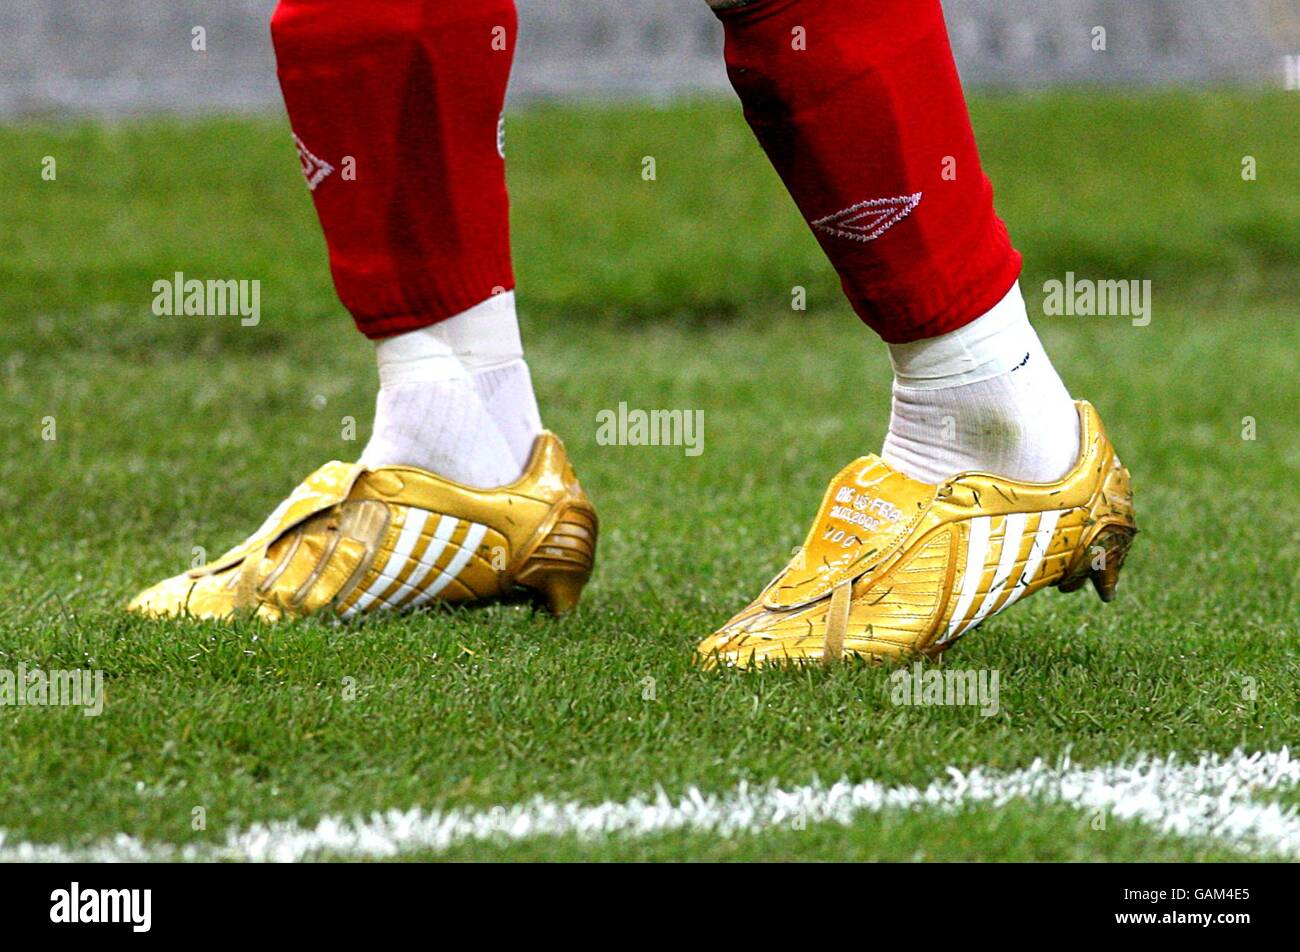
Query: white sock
point(983, 397)
point(486, 341)
point(429, 414)
point(507, 393)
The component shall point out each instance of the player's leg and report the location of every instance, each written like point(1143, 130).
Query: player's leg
point(396, 109)
point(858, 106)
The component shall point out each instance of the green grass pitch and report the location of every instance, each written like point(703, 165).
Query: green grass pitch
point(175, 432)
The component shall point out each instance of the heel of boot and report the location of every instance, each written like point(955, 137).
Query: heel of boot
point(1106, 558)
point(560, 565)
point(560, 591)
point(1102, 560)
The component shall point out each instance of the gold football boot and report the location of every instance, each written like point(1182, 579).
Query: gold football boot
point(896, 567)
point(354, 540)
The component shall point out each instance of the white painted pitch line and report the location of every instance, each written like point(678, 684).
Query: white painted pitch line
point(1212, 798)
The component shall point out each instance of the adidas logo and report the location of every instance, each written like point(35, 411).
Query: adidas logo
point(867, 221)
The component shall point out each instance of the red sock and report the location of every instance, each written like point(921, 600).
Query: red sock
point(858, 105)
point(395, 105)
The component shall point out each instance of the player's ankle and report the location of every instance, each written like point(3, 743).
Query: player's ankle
point(985, 397)
point(486, 340)
point(429, 415)
point(443, 427)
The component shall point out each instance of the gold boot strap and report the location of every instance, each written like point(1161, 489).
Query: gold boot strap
point(246, 587)
point(837, 621)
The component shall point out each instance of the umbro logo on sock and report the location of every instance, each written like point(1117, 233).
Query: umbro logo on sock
point(314, 168)
point(867, 221)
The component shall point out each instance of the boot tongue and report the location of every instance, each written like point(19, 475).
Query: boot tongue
point(869, 510)
point(326, 487)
